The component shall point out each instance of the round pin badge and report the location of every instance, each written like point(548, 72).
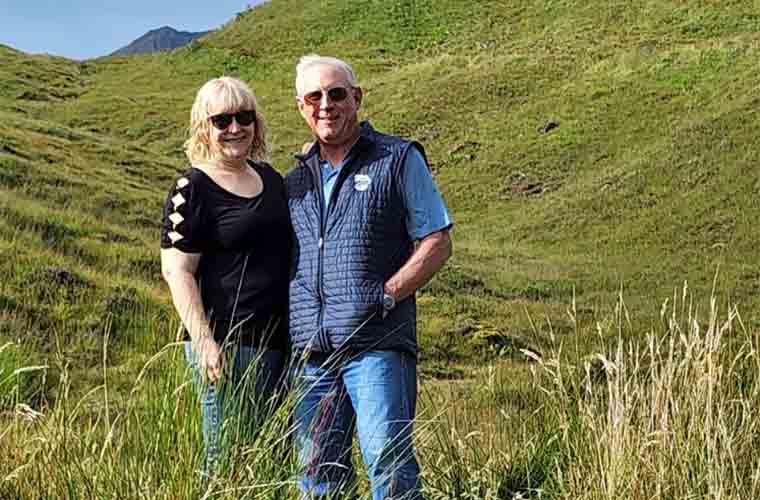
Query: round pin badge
point(362, 182)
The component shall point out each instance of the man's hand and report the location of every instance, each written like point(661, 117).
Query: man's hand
point(431, 253)
point(210, 360)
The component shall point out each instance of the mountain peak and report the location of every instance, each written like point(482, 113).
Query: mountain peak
point(155, 40)
point(162, 29)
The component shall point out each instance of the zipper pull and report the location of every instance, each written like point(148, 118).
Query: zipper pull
point(321, 242)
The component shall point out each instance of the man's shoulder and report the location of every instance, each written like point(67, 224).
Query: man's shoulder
point(388, 144)
point(381, 138)
point(296, 179)
point(298, 170)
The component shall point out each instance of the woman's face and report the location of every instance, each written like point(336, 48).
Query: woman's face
point(232, 133)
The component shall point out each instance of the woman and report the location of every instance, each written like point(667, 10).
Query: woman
point(225, 249)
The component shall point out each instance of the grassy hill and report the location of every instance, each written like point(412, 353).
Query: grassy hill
point(586, 150)
point(645, 182)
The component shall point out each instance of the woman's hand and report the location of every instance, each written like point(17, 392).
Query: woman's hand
point(210, 359)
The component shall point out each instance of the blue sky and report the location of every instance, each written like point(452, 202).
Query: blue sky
point(80, 29)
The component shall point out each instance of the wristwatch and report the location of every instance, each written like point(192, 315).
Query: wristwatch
point(388, 303)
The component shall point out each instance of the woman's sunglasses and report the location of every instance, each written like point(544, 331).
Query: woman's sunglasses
point(224, 120)
point(336, 94)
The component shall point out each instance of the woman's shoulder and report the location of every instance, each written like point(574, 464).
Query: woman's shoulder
point(182, 213)
point(190, 179)
point(264, 168)
point(187, 188)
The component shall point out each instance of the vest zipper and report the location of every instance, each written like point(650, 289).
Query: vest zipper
point(324, 208)
point(321, 336)
point(324, 212)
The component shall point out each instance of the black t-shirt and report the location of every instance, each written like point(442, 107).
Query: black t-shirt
point(245, 246)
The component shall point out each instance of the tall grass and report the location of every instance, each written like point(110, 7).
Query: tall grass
point(674, 414)
point(144, 445)
point(670, 413)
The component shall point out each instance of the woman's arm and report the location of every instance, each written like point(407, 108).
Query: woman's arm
point(178, 269)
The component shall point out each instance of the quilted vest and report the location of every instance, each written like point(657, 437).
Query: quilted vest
point(344, 254)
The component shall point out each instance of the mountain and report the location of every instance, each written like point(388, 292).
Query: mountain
point(164, 38)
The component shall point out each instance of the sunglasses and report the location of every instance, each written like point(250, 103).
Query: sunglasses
point(224, 120)
point(336, 94)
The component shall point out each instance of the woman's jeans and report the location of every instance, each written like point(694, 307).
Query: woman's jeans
point(246, 390)
point(373, 392)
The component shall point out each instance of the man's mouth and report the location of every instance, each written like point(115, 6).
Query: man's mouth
point(234, 140)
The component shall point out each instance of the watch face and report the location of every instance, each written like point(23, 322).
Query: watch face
point(388, 302)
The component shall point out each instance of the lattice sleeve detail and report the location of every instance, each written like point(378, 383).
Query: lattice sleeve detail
point(181, 218)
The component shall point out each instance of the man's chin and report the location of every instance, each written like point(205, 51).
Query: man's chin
point(326, 139)
point(326, 133)
point(332, 137)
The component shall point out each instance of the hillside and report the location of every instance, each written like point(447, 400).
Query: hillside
point(646, 181)
point(77, 229)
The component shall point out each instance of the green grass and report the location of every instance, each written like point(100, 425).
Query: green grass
point(643, 182)
point(674, 412)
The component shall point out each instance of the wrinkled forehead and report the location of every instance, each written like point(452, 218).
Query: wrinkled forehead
point(323, 76)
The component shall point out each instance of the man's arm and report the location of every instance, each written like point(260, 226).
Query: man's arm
point(431, 253)
point(428, 223)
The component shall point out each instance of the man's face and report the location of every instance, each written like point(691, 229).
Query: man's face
point(330, 105)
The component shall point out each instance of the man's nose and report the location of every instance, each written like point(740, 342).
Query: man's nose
point(325, 101)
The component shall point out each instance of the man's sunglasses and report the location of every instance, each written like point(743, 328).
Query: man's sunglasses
point(336, 94)
point(224, 120)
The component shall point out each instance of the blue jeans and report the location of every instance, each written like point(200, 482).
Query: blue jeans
point(251, 376)
point(374, 392)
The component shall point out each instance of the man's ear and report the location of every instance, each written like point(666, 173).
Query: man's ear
point(358, 96)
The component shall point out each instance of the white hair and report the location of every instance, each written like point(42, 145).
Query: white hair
point(311, 60)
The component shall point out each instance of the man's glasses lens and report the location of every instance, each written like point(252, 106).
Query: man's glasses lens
point(224, 120)
point(336, 94)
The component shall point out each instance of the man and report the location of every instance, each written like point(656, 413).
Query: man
point(370, 229)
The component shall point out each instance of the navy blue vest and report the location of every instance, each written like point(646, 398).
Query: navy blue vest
point(342, 259)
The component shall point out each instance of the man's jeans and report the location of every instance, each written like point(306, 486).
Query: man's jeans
point(374, 392)
point(250, 378)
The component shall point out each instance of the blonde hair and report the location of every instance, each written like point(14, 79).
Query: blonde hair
point(222, 95)
point(312, 60)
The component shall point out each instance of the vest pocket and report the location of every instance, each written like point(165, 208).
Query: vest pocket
point(366, 309)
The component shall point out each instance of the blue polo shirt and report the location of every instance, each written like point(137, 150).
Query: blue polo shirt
point(426, 211)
